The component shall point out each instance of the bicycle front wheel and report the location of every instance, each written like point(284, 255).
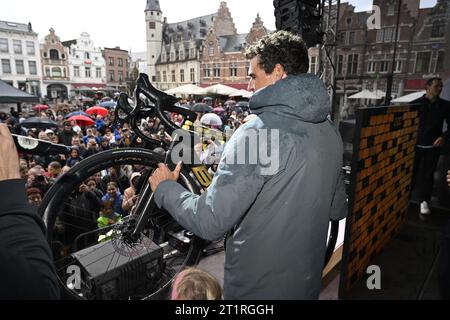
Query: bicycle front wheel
point(92, 260)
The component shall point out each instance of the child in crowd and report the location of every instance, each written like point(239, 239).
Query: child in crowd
point(196, 284)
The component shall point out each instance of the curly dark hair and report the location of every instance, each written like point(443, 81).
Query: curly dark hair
point(283, 47)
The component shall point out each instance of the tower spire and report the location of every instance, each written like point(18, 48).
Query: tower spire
point(153, 5)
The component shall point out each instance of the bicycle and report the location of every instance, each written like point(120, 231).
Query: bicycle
point(138, 257)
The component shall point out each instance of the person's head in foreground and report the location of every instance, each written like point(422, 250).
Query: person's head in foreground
point(195, 284)
point(274, 57)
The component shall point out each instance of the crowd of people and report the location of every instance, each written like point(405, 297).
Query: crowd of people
point(41, 172)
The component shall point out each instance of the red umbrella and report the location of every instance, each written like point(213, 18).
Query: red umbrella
point(82, 120)
point(40, 107)
point(97, 111)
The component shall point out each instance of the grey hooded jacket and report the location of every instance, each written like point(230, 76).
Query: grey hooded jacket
point(278, 215)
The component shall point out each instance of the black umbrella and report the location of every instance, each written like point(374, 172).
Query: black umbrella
point(37, 122)
point(202, 107)
point(243, 104)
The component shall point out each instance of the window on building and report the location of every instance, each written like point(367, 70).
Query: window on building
point(87, 55)
point(192, 75)
point(211, 50)
point(164, 76)
point(181, 54)
point(351, 37)
point(217, 71)
point(19, 67)
point(32, 66)
point(380, 35)
point(54, 54)
point(440, 62)
point(17, 45)
point(384, 66)
point(120, 76)
point(369, 85)
point(111, 76)
point(423, 62)
point(371, 67)
point(120, 62)
point(438, 29)
point(182, 75)
point(395, 87)
point(233, 69)
point(56, 72)
point(177, 55)
point(30, 48)
point(87, 72)
point(152, 25)
point(47, 72)
point(206, 71)
point(6, 66)
point(391, 9)
point(76, 71)
point(163, 57)
point(352, 64)
point(382, 85)
point(98, 73)
point(4, 45)
point(313, 65)
point(174, 78)
point(341, 38)
point(158, 76)
point(192, 53)
point(398, 66)
point(172, 56)
point(388, 34)
point(340, 64)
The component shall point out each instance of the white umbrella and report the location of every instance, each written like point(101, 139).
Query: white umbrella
point(222, 90)
point(211, 119)
point(409, 97)
point(366, 94)
point(187, 89)
point(243, 93)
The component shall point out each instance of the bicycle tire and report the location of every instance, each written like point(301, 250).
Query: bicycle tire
point(55, 197)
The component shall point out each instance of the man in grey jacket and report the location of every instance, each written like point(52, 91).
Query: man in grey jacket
point(279, 214)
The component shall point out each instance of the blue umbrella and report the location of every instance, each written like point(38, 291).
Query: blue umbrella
point(76, 113)
point(108, 104)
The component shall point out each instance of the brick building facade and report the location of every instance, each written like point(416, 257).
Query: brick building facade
point(117, 62)
point(55, 67)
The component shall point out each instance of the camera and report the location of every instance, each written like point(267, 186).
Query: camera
point(40, 178)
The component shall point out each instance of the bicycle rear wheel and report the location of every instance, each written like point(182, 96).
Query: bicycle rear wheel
point(96, 263)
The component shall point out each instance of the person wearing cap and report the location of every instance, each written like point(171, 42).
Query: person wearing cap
point(65, 136)
point(26, 264)
point(34, 196)
point(49, 132)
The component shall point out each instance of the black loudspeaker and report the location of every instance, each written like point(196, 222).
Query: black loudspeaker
point(302, 17)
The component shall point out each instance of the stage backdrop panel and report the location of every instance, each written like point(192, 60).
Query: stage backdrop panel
point(380, 187)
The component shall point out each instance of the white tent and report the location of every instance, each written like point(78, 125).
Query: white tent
point(243, 93)
point(221, 89)
point(187, 89)
point(366, 94)
point(409, 97)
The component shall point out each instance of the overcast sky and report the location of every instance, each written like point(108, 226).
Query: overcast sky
point(122, 23)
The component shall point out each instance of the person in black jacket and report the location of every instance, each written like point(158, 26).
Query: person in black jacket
point(432, 112)
point(26, 264)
